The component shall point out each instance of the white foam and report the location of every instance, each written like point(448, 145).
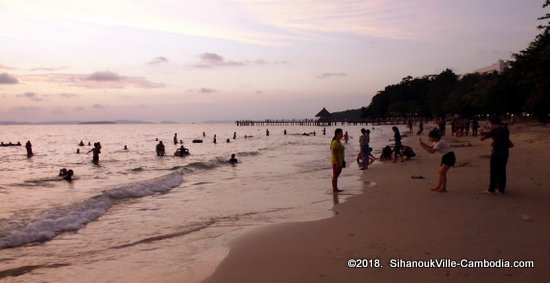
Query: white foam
point(55, 221)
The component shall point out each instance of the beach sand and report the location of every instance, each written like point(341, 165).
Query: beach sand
point(400, 218)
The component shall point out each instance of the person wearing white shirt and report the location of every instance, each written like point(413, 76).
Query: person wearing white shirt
point(447, 160)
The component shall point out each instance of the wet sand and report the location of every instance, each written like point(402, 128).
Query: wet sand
point(400, 218)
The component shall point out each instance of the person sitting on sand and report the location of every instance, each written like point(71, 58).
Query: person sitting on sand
point(386, 153)
point(233, 160)
point(81, 143)
point(407, 152)
point(447, 160)
point(62, 172)
point(160, 149)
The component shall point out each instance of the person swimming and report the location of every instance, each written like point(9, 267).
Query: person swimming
point(182, 151)
point(66, 174)
point(233, 160)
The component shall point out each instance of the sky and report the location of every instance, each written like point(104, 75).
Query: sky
point(196, 61)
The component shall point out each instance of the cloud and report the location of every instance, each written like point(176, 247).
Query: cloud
point(211, 60)
point(158, 60)
point(2, 67)
point(58, 110)
point(206, 90)
point(6, 78)
point(109, 79)
point(31, 95)
point(103, 77)
point(99, 106)
point(97, 80)
point(312, 18)
point(68, 95)
point(48, 69)
point(203, 90)
point(330, 75)
point(25, 109)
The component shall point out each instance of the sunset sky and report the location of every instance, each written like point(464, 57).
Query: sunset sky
point(194, 61)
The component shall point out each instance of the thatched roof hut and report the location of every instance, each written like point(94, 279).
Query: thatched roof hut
point(324, 115)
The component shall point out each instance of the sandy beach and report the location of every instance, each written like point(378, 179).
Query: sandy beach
point(400, 218)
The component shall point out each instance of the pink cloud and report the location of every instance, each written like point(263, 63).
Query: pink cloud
point(6, 78)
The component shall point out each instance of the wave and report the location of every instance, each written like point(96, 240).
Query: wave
point(248, 153)
point(203, 165)
point(74, 217)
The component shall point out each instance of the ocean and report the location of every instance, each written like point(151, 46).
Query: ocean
point(137, 217)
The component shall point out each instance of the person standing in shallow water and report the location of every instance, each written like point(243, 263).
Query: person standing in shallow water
point(95, 152)
point(28, 146)
point(364, 141)
point(398, 145)
point(337, 158)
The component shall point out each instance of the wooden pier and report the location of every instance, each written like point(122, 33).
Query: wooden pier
point(316, 122)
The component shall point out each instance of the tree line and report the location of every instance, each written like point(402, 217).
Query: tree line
point(522, 88)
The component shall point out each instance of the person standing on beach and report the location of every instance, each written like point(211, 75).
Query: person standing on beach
point(397, 147)
point(499, 156)
point(364, 141)
point(447, 160)
point(475, 127)
point(442, 125)
point(28, 146)
point(176, 138)
point(337, 158)
point(420, 128)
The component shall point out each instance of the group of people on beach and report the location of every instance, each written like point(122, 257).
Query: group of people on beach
point(498, 132)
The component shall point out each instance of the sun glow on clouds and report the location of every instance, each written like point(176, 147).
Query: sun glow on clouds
point(252, 21)
point(97, 80)
point(102, 55)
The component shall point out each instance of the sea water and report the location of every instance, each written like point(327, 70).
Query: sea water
point(136, 216)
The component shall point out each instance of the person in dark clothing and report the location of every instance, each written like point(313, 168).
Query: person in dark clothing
point(397, 147)
point(28, 146)
point(499, 156)
point(161, 151)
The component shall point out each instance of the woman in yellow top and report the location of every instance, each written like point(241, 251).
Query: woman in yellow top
point(337, 158)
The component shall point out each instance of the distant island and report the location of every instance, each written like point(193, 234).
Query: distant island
point(97, 123)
